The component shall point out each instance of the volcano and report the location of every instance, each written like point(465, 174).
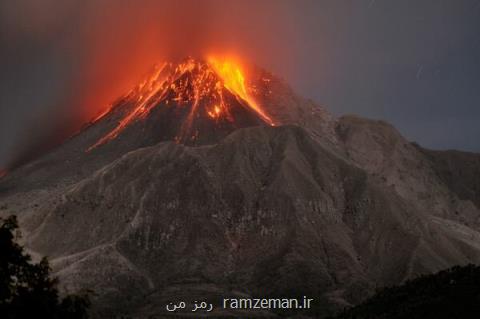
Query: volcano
point(209, 180)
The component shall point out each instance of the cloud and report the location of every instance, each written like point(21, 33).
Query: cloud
point(91, 52)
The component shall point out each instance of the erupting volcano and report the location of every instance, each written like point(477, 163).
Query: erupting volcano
point(206, 180)
point(192, 102)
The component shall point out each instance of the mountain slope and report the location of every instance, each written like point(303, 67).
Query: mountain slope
point(460, 171)
point(256, 212)
point(415, 174)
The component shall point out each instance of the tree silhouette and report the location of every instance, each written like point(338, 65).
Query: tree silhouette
point(26, 288)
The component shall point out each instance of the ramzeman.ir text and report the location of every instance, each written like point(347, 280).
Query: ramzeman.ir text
point(267, 303)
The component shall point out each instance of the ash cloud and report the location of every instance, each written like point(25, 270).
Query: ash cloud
point(66, 61)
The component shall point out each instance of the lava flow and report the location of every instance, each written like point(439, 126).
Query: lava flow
point(234, 80)
point(215, 91)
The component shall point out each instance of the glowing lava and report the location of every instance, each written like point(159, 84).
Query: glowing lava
point(215, 112)
point(234, 80)
point(202, 89)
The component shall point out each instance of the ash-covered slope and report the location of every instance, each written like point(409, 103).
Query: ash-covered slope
point(203, 183)
point(267, 211)
point(430, 180)
point(459, 170)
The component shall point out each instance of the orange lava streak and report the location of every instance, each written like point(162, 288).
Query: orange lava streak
point(215, 112)
point(202, 86)
point(143, 93)
point(234, 81)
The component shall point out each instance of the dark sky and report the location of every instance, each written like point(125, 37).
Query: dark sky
point(414, 63)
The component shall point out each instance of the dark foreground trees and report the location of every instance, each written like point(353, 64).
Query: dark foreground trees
point(26, 289)
point(450, 294)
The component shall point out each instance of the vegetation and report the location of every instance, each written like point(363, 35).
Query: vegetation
point(449, 294)
point(26, 289)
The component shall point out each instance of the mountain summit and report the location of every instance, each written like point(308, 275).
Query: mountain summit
point(192, 102)
point(206, 181)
